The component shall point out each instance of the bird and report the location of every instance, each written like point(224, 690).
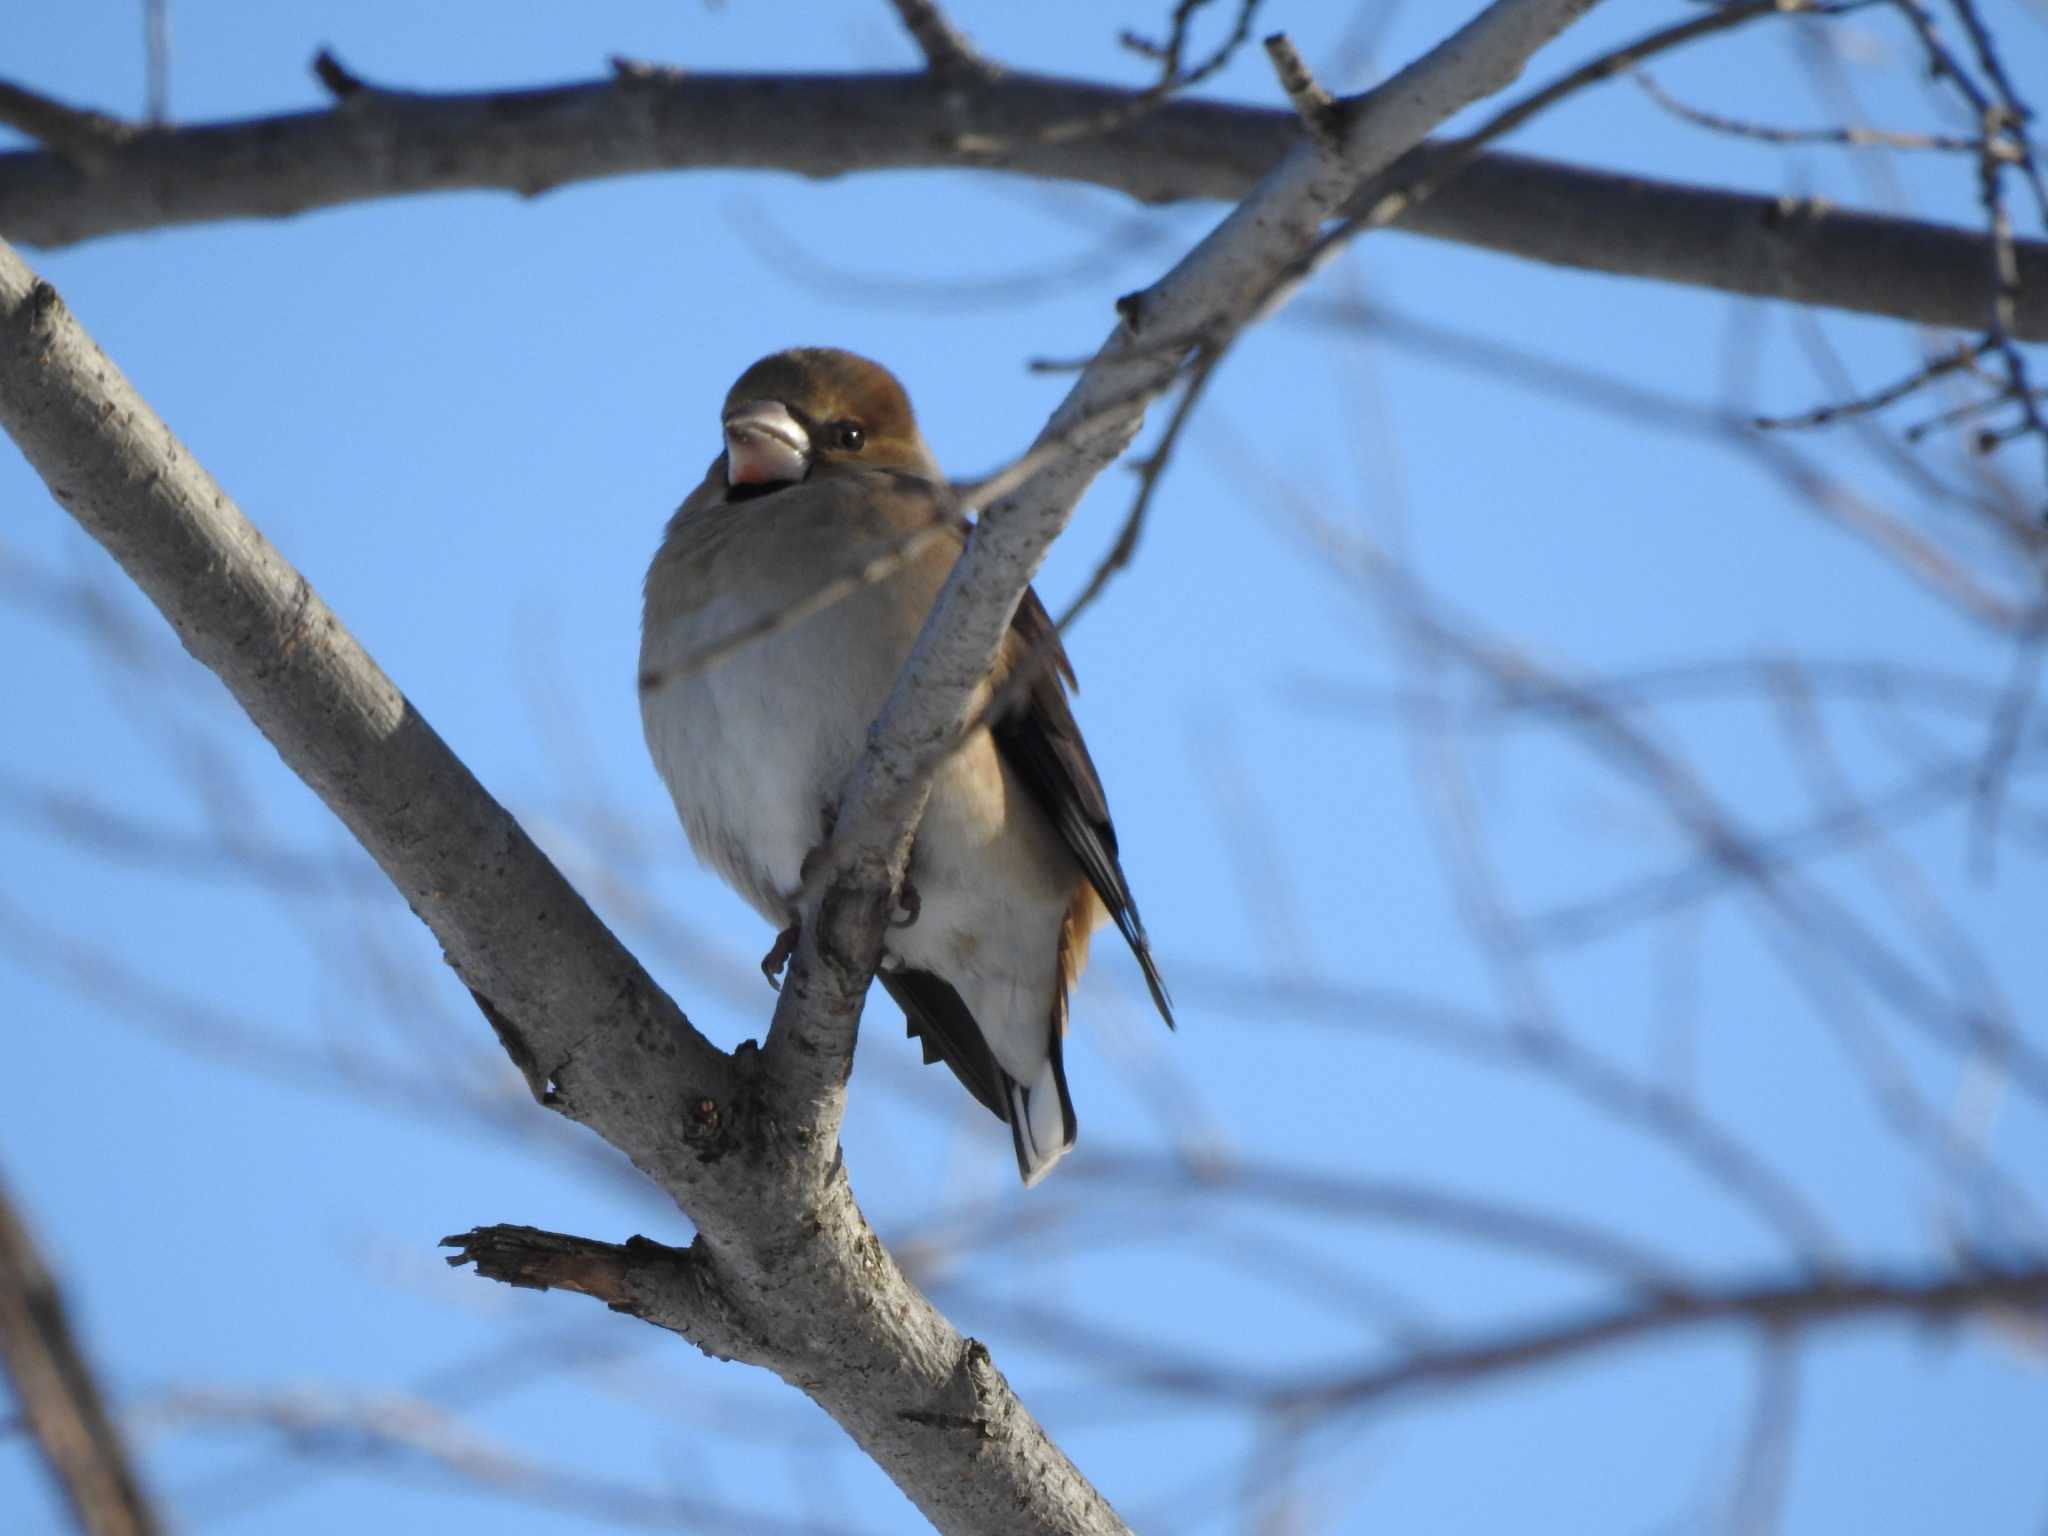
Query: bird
point(770, 565)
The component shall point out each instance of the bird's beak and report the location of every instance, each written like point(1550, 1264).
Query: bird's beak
point(765, 445)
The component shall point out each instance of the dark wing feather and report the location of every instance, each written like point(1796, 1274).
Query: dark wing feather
point(935, 1015)
point(1041, 742)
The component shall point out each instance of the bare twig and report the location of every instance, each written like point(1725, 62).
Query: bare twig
point(59, 1397)
point(1784, 1309)
point(1756, 1502)
point(156, 55)
point(1925, 791)
point(1946, 363)
point(396, 1429)
point(2002, 118)
point(342, 83)
point(1151, 471)
point(2002, 748)
point(1847, 138)
point(91, 141)
point(1315, 106)
point(1384, 207)
point(945, 47)
point(891, 556)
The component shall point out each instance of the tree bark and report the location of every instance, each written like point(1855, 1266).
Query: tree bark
point(785, 1272)
point(59, 1397)
point(378, 143)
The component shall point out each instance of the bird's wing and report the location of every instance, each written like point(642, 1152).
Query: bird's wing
point(934, 1015)
point(1039, 739)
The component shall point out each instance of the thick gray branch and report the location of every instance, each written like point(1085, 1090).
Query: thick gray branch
point(1204, 300)
point(804, 1287)
point(387, 144)
point(463, 864)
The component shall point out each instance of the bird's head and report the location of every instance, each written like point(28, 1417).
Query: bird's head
point(817, 411)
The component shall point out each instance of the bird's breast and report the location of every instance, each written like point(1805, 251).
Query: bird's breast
point(755, 747)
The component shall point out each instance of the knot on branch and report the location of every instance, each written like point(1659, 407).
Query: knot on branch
point(643, 72)
point(342, 83)
point(966, 1403)
point(1317, 108)
point(516, 1046)
point(1790, 214)
point(947, 52)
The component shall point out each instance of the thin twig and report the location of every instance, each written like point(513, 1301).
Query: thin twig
point(1463, 152)
point(1151, 471)
point(1756, 1504)
point(1938, 367)
point(156, 52)
point(2002, 117)
point(878, 565)
point(1317, 108)
point(2002, 748)
point(1175, 76)
point(945, 47)
point(1847, 138)
point(89, 140)
point(1784, 1308)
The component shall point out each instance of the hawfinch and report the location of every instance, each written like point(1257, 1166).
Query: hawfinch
point(1015, 862)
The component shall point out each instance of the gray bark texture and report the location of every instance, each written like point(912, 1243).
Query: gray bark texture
point(785, 1272)
point(105, 178)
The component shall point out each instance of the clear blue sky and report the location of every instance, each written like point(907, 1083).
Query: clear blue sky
point(465, 419)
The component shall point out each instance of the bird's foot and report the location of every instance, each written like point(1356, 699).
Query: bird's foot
point(779, 953)
point(908, 905)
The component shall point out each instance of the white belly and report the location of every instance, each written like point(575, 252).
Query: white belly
point(754, 758)
point(756, 749)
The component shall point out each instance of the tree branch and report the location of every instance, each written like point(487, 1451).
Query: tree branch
point(1196, 307)
point(58, 1397)
point(673, 1288)
point(825, 1306)
point(90, 141)
point(460, 860)
point(1804, 1303)
point(389, 144)
point(945, 47)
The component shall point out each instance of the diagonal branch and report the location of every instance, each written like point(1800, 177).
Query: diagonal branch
point(58, 1396)
point(460, 860)
point(1208, 297)
point(394, 144)
point(786, 1272)
point(90, 141)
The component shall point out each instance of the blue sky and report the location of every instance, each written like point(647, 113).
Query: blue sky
point(465, 418)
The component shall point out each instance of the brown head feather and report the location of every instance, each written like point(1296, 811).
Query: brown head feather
point(827, 389)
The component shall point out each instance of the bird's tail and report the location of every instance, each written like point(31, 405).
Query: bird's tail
point(1041, 1117)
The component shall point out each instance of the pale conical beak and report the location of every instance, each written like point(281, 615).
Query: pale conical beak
point(765, 445)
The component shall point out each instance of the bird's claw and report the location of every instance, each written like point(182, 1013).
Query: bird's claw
point(908, 905)
point(778, 955)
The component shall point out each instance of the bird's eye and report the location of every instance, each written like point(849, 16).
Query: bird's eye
point(849, 435)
